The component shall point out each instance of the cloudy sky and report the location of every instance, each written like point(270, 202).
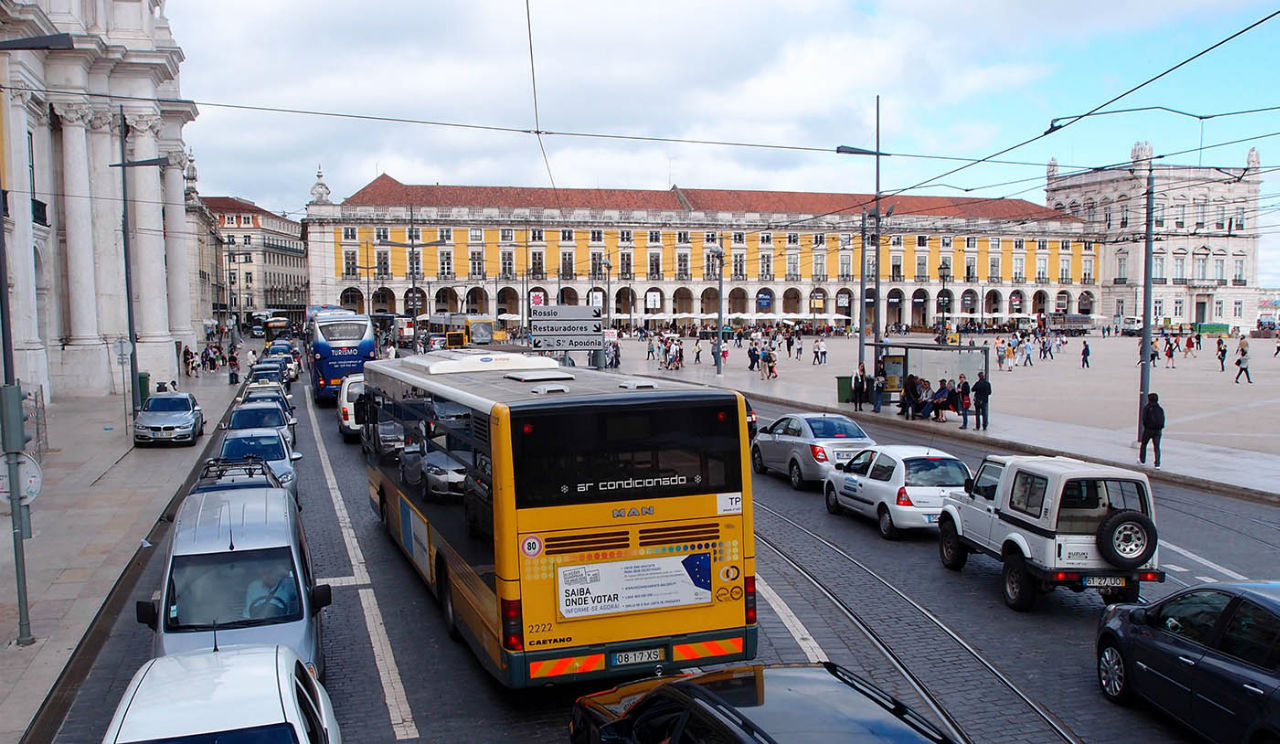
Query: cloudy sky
point(956, 79)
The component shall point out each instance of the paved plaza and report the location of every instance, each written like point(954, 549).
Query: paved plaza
point(1217, 431)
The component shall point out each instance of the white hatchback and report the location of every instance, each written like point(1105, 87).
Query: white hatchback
point(901, 486)
point(240, 693)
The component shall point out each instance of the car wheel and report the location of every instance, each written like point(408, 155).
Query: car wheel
point(757, 461)
point(797, 477)
point(951, 551)
point(1127, 539)
point(1113, 674)
point(446, 604)
point(1019, 586)
point(833, 503)
point(885, 522)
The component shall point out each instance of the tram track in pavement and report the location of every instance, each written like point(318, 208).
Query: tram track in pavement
point(897, 636)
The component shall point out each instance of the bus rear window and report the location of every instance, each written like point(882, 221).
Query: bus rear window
point(592, 455)
point(332, 332)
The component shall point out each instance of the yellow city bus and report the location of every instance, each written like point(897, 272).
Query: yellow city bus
point(477, 330)
point(573, 524)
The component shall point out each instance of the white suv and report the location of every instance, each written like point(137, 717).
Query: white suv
point(1054, 521)
point(260, 693)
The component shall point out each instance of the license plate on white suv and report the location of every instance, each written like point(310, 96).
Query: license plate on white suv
point(642, 656)
point(1104, 581)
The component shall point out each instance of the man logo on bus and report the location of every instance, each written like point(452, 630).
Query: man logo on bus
point(644, 511)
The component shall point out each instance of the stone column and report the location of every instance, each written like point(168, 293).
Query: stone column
point(31, 362)
point(82, 364)
point(156, 353)
point(104, 149)
point(177, 252)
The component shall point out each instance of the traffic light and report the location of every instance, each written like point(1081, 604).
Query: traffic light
point(13, 433)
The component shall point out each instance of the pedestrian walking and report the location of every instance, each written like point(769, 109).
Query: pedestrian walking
point(1222, 355)
point(861, 386)
point(966, 401)
point(1084, 356)
point(1152, 428)
point(981, 394)
point(651, 350)
point(1190, 349)
point(822, 351)
point(1243, 363)
point(697, 351)
point(799, 348)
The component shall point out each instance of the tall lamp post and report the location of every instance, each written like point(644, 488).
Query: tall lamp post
point(944, 274)
point(718, 252)
point(14, 439)
point(862, 335)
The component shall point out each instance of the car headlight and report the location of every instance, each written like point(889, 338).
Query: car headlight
point(286, 478)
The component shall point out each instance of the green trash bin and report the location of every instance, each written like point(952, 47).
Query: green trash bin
point(144, 388)
point(844, 388)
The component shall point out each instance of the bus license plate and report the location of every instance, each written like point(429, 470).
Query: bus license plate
point(1104, 581)
point(644, 656)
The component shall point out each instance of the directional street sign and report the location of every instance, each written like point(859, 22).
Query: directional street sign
point(567, 343)
point(566, 327)
point(564, 312)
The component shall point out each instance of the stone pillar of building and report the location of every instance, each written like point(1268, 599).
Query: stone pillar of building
point(104, 149)
point(156, 353)
point(31, 364)
point(177, 240)
point(82, 365)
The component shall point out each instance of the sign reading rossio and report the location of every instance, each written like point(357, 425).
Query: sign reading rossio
point(592, 589)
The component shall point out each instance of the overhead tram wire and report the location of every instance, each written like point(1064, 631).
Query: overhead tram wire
point(537, 123)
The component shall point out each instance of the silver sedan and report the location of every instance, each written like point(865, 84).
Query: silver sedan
point(806, 445)
point(169, 417)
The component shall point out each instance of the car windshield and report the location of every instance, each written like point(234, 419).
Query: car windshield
point(167, 405)
point(256, 418)
point(835, 428)
point(275, 733)
point(238, 588)
point(272, 375)
point(259, 397)
point(266, 447)
point(936, 471)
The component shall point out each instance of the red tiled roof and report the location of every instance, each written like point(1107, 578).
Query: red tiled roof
point(236, 205)
point(387, 191)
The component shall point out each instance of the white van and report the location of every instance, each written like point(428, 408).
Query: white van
point(352, 386)
point(238, 572)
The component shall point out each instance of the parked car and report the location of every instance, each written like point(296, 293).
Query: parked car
point(900, 486)
point(813, 702)
point(259, 414)
point(1054, 521)
point(169, 417)
point(287, 362)
point(269, 445)
point(257, 331)
point(1209, 656)
point(247, 693)
point(806, 445)
point(238, 566)
point(218, 474)
point(352, 386)
point(268, 372)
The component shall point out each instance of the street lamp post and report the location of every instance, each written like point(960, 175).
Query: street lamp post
point(944, 273)
point(11, 397)
point(413, 246)
point(847, 150)
point(718, 252)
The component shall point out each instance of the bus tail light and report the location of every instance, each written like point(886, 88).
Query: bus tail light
point(749, 583)
point(317, 356)
point(903, 498)
point(512, 628)
point(819, 454)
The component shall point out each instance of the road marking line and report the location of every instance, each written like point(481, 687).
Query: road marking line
point(1206, 579)
point(397, 703)
point(1183, 551)
point(352, 581)
point(383, 657)
point(803, 638)
point(1171, 567)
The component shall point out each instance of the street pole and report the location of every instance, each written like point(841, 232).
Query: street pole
point(1148, 250)
point(128, 264)
point(862, 296)
point(879, 321)
point(413, 275)
point(715, 349)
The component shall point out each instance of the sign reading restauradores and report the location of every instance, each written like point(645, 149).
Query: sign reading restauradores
point(592, 589)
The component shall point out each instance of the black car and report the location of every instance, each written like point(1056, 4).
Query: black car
point(784, 703)
point(1209, 656)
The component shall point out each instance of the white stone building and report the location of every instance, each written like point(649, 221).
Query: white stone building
point(61, 131)
point(268, 258)
point(1205, 256)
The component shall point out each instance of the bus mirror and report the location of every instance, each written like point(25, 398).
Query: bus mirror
point(362, 411)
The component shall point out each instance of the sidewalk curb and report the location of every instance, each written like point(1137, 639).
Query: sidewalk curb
point(1240, 492)
point(52, 712)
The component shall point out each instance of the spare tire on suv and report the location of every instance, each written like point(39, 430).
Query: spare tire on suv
point(1127, 538)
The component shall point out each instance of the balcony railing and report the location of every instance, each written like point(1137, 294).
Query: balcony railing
point(1159, 280)
point(1220, 282)
point(1238, 281)
point(478, 276)
point(766, 276)
point(507, 276)
point(414, 276)
point(1042, 279)
point(793, 277)
point(655, 276)
point(711, 275)
point(1087, 279)
point(1120, 280)
point(971, 278)
point(626, 276)
point(1181, 280)
point(993, 279)
point(897, 278)
point(683, 276)
point(922, 278)
point(739, 277)
point(538, 275)
point(445, 276)
point(1064, 280)
point(566, 274)
point(1018, 279)
point(350, 275)
point(597, 276)
point(845, 278)
point(819, 277)
point(382, 276)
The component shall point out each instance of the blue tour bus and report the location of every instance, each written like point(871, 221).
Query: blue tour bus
point(340, 345)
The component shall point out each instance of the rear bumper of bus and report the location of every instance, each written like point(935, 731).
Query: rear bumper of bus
point(577, 663)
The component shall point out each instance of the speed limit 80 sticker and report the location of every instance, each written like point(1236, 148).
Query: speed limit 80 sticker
point(531, 546)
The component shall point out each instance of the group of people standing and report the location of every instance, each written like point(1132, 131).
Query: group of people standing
point(920, 399)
